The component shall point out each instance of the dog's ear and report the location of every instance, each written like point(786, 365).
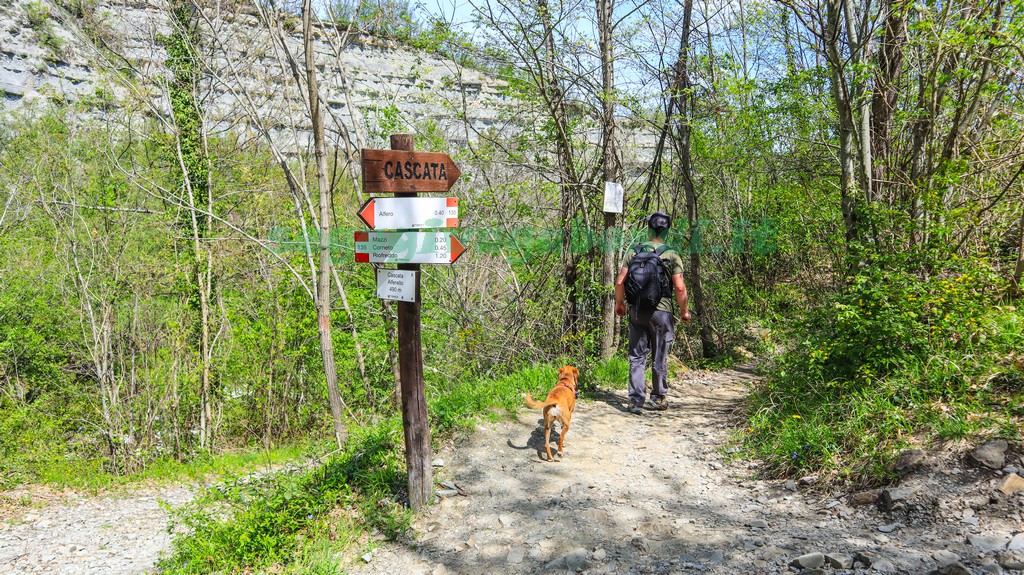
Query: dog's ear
point(575, 372)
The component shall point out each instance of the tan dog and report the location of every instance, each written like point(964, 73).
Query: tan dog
point(558, 405)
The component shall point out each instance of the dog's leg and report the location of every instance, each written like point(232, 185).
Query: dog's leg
point(561, 436)
point(549, 422)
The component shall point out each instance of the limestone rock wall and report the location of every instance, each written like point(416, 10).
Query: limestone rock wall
point(110, 56)
point(110, 53)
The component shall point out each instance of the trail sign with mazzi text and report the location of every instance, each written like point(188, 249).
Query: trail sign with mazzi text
point(400, 171)
point(410, 213)
point(408, 247)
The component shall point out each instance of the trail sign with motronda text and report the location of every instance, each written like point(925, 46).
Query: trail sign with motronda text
point(400, 171)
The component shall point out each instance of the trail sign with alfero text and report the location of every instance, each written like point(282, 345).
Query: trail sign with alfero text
point(410, 213)
point(399, 171)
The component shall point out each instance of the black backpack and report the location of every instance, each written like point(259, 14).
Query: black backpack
point(647, 277)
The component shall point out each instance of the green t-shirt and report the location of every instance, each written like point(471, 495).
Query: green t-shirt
point(673, 264)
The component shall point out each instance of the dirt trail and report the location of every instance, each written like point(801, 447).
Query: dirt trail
point(632, 491)
point(65, 533)
point(650, 494)
point(655, 494)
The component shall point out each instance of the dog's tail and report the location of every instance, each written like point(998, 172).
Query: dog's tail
point(533, 404)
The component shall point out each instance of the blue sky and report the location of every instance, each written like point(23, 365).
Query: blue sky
point(457, 11)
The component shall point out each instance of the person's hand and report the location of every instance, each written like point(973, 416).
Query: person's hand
point(685, 316)
point(620, 309)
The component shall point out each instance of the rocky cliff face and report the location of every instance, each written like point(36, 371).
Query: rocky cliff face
point(111, 55)
point(110, 58)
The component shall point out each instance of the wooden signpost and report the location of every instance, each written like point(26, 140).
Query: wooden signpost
point(404, 172)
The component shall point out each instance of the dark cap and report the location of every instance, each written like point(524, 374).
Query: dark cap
point(659, 221)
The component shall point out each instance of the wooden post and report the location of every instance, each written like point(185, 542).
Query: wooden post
point(410, 360)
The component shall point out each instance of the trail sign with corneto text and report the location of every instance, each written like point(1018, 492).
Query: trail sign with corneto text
point(407, 247)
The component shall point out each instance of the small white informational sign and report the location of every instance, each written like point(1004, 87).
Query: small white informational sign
point(396, 285)
point(613, 192)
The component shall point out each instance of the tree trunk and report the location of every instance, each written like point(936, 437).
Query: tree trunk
point(844, 108)
point(682, 94)
point(566, 173)
point(605, 10)
point(889, 66)
point(1018, 270)
point(859, 42)
point(323, 286)
point(194, 165)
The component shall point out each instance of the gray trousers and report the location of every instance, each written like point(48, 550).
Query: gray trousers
point(650, 334)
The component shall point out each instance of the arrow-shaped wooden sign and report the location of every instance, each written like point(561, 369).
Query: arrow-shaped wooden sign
point(410, 213)
point(396, 171)
point(408, 247)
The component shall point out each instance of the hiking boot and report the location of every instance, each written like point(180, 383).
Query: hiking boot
point(636, 409)
point(657, 404)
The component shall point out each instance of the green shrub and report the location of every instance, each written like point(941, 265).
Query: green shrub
point(37, 16)
point(253, 523)
point(892, 356)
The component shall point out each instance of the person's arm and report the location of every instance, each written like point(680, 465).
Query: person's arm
point(620, 293)
point(682, 298)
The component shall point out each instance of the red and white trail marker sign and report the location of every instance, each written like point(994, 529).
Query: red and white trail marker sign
point(410, 213)
point(408, 247)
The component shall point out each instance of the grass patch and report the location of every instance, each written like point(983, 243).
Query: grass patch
point(92, 474)
point(302, 522)
point(289, 518)
point(454, 406)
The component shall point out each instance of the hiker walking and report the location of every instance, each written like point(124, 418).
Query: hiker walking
point(652, 274)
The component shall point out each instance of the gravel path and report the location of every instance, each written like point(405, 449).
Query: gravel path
point(58, 533)
point(655, 494)
point(650, 494)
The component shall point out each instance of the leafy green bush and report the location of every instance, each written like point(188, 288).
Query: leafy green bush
point(891, 356)
point(37, 410)
point(37, 16)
